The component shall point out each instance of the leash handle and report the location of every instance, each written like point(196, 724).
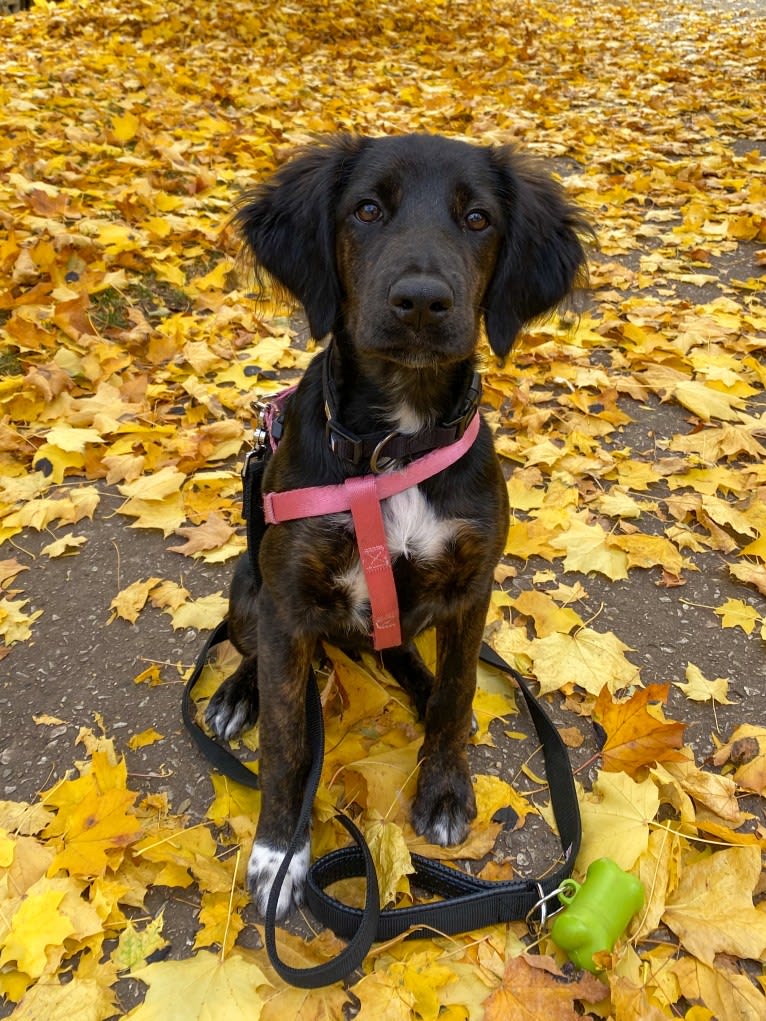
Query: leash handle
point(468, 902)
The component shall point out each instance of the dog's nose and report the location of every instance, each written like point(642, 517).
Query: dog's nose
point(420, 300)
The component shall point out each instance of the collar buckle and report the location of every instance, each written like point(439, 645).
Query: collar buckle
point(344, 444)
point(470, 406)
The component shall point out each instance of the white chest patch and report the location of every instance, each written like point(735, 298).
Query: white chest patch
point(413, 531)
point(412, 528)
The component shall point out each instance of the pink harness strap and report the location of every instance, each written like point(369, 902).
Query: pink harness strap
point(362, 496)
point(376, 560)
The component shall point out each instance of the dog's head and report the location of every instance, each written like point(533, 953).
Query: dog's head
point(404, 242)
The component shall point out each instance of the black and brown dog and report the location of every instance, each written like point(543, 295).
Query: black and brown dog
point(398, 247)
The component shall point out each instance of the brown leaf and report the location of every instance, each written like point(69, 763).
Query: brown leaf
point(211, 534)
point(635, 737)
point(539, 991)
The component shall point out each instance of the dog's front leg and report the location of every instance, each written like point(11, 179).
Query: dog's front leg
point(445, 803)
point(284, 660)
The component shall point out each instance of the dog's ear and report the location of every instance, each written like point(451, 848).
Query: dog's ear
point(541, 257)
point(288, 225)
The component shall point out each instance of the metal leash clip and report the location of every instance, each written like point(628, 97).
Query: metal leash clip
point(538, 925)
point(261, 436)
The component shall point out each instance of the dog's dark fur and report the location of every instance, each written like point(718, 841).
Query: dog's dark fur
point(398, 247)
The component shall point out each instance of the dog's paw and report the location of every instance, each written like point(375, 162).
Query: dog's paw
point(444, 808)
point(234, 707)
point(262, 871)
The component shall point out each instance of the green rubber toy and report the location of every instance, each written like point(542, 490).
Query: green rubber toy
point(596, 913)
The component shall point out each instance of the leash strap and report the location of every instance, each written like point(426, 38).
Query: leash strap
point(221, 758)
point(468, 903)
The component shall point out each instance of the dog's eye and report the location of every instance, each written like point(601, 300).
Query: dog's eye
point(477, 219)
point(368, 212)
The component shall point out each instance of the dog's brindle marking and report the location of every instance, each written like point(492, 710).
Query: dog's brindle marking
point(397, 246)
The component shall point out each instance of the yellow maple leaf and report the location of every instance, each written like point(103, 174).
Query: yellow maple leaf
point(548, 616)
point(391, 856)
point(588, 658)
point(708, 403)
point(151, 676)
point(167, 514)
point(202, 613)
point(530, 538)
point(201, 987)
point(588, 549)
point(135, 944)
point(125, 127)
point(650, 551)
point(157, 486)
point(736, 613)
point(746, 749)
point(385, 782)
point(35, 926)
point(407, 989)
point(617, 816)
point(131, 600)
point(757, 548)
point(15, 625)
point(657, 868)
point(232, 799)
point(714, 792)
point(752, 574)
point(699, 689)
point(59, 462)
point(729, 995)
point(93, 833)
point(220, 918)
point(489, 706)
point(65, 546)
point(86, 999)
point(144, 739)
point(712, 909)
point(71, 439)
point(493, 793)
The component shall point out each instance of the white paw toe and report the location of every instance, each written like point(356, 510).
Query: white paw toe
point(262, 869)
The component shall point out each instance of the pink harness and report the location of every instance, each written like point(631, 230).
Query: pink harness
point(363, 496)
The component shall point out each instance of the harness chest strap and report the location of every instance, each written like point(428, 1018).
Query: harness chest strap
point(362, 496)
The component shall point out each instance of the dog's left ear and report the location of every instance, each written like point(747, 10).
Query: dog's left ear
point(541, 256)
point(288, 225)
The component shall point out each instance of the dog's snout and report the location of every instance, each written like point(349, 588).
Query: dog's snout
point(421, 300)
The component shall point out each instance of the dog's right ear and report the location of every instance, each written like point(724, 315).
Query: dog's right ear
point(288, 225)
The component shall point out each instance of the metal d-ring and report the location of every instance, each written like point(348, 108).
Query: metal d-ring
point(374, 457)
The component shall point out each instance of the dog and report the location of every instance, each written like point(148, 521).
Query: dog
point(398, 247)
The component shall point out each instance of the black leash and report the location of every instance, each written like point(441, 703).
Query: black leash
point(468, 903)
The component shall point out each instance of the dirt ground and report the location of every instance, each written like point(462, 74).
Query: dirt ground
point(78, 671)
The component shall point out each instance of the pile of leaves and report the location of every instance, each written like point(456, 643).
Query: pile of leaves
point(132, 350)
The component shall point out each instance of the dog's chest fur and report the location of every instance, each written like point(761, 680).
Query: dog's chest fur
point(413, 531)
